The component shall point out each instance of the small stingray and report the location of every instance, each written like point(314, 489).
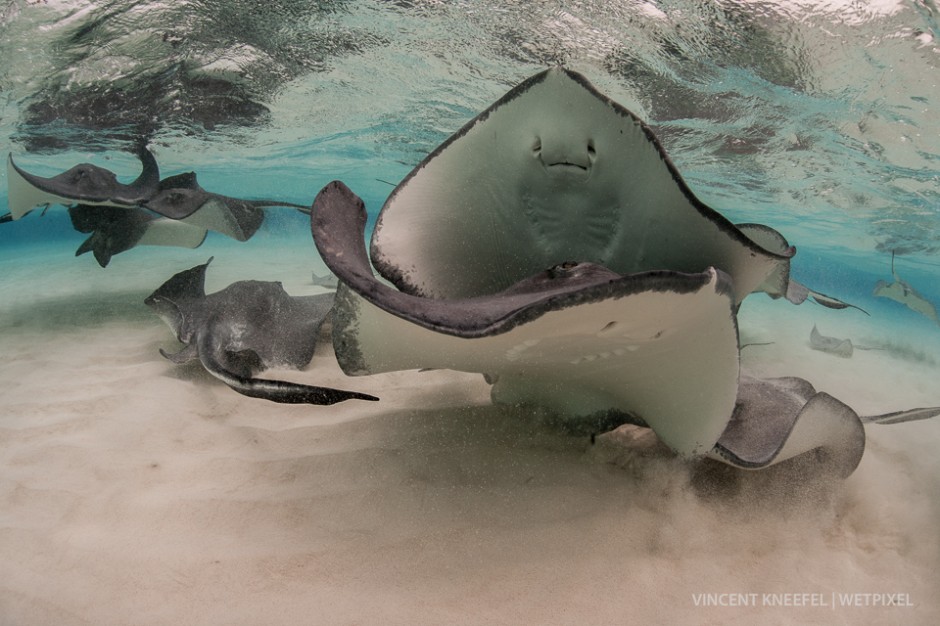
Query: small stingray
point(83, 184)
point(838, 347)
point(181, 197)
point(902, 292)
point(796, 292)
point(781, 418)
point(659, 348)
point(245, 328)
point(327, 280)
point(846, 347)
point(117, 229)
point(556, 171)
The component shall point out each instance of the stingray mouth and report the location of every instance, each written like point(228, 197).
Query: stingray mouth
point(570, 161)
point(566, 165)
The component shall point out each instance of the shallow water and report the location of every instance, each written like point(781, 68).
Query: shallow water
point(816, 118)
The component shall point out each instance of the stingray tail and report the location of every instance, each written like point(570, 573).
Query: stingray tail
point(278, 203)
point(899, 417)
point(797, 293)
point(284, 392)
point(280, 391)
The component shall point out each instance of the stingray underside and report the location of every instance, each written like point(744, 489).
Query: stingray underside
point(555, 171)
point(113, 230)
point(180, 197)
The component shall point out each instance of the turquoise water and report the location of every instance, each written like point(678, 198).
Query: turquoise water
point(818, 119)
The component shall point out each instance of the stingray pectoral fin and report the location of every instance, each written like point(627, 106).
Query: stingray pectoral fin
point(773, 423)
point(898, 417)
point(184, 355)
point(777, 283)
point(229, 216)
point(113, 229)
point(23, 194)
point(145, 185)
point(186, 285)
point(84, 183)
point(164, 231)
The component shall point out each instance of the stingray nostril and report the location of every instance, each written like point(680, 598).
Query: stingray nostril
point(537, 146)
point(591, 150)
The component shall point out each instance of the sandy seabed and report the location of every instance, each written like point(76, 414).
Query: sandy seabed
point(134, 491)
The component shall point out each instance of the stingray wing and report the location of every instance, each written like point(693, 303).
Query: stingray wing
point(114, 230)
point(232, 217)
point(261, 317)
point(779, 283)
point(179, 301)
point(163, 231)
point(779, 419)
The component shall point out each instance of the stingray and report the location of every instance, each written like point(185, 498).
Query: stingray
point(178, 197)
point(327, 280)
point(658, 348)
point(114, 229)
point(832, 345)
point(245, 328)
point(83, 184)
point(181, 198)
point(576, 336)
point(556, 171)
point(796, 292)
point(902, 292)
point(777, 419)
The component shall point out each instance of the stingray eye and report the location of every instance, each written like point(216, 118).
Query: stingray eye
point(79, 175)
point(563, 270)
